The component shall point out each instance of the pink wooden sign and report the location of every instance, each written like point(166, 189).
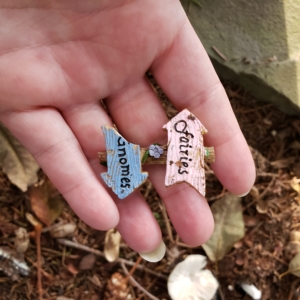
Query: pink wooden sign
point(185, 159)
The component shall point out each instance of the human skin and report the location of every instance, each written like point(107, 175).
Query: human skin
point(59, 58)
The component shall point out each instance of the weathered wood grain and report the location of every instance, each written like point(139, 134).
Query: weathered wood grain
point(123, 161)
point(185, 159)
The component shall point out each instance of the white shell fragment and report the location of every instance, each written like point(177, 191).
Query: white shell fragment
point(21, 240)
point(112, 245)
point(251, 290)
point(188, 280)
point(62, 230)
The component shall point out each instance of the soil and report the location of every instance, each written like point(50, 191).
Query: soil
point(270, 210)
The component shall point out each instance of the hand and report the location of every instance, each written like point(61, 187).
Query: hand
point(59, 58)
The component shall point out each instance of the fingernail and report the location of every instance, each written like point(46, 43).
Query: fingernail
point(155, 255)
point(243, 195)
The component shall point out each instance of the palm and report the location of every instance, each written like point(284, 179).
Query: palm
point(56, 63)
point(78, 57)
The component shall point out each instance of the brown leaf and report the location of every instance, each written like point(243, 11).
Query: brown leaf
point(71, 268)
point(294, 267)
point(112, 245)
point(45, 208)
point(17, 163)
point(229, 227)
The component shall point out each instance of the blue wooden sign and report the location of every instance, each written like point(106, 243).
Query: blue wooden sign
point(123, 161)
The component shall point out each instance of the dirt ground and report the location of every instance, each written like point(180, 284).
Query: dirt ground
point(271, 211)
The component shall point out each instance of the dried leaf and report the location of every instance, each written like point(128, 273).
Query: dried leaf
point(112, 245)
point(71, 268)
point(45, 208)
point(229, 227)
point(294, 267)
point(32, 220)
point(17, 163)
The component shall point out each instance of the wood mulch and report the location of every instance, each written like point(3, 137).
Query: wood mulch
point(271, 212)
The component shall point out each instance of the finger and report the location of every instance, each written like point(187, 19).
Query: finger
point(144, 120)
point(46, 135)
point(138, 114)
point(86, 122)
point(188, 211)
point(137, 224)
point(195, 86)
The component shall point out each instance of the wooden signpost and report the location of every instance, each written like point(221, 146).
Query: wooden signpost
point(123, 161)
point(185, 160)
point(184, 156)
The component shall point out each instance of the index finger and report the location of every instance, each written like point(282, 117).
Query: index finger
point(187, 76)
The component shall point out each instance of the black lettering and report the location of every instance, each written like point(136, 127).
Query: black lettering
point(125, 185)
point(125, 170)
point(123, 152)
point(185, 146)
point(184, 158)
point(184, 140)
point(119, 142)
point(177, 124)
point(125, 179)
point(185, 164)
point(123, 161)
point(185, 152)
point(184, 127)
point(180, 171)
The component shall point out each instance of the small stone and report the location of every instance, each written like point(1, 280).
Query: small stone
point(87, 262)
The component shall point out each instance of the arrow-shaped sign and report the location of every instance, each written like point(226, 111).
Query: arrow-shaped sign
point(185, 159)
point(123, 161)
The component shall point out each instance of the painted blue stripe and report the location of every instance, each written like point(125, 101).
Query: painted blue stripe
point(123, 161)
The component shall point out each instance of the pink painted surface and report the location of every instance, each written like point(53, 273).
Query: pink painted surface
point(185, 158)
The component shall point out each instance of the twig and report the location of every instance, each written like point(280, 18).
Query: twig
point(99, 253)
point(265, 174)
point(163, 158)
point(49, 228)
point(47, 275)
point(218, 196)
point(292, 289)
point(133, 268)
point(135, 283)
point(38, 230)
point(220, 53)
point(167, 222)
point(142, 268)
point(80, 246)
point(221, 293)
point(148, 189)
point(261, 195)
point(185, 245)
